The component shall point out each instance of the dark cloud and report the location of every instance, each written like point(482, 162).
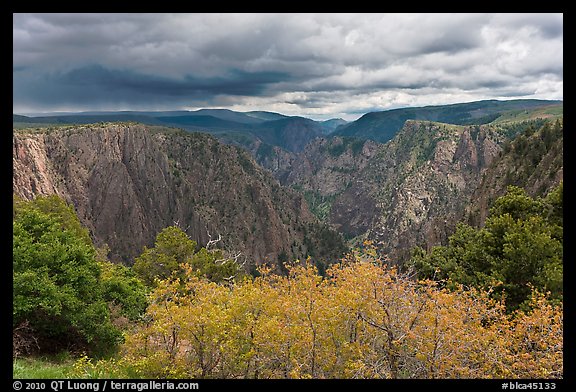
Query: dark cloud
point(104, 85)
point(308, 64)
point(126, 82)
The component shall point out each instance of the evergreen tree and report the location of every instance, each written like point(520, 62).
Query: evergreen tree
point(172, 249)
point(59, 290)
point(519, 248)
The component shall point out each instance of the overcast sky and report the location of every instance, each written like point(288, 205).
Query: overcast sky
point(315, 65)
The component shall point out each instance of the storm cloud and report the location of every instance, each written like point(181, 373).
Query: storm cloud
point(317, 65)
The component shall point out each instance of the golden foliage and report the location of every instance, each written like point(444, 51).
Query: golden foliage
point(363, 320)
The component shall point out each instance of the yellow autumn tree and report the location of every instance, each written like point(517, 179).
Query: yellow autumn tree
point(361, 320)
point(535, 341)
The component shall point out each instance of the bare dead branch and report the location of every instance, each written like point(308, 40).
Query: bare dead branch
point(211, 241)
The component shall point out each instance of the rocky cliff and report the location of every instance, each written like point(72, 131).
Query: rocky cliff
point(413, 190)
point(128, 181)
point(328, 165)
point(421, 182)
point(534, 161)
point(410, 191)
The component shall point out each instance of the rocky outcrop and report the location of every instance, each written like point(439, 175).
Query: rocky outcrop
point(129, 181)
point(413, 190)
point(420, 183)
point(533, 161)
point(409, 192)
point(328, 165)
point(32, 171)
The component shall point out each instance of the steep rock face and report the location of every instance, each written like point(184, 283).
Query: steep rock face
point(327, 165)
point(415, 189)
point(533, 161)
point(321, 172)
point(273, 158)
point(32, 171)
point(127, 182)
point(408, 192)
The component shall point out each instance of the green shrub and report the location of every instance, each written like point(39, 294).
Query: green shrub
point(59, 289)
point(173, 248)
point(519, 248)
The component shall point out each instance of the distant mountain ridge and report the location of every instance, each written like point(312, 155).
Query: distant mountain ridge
point(383, 126)
point(288, 132)
point(380, 126)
